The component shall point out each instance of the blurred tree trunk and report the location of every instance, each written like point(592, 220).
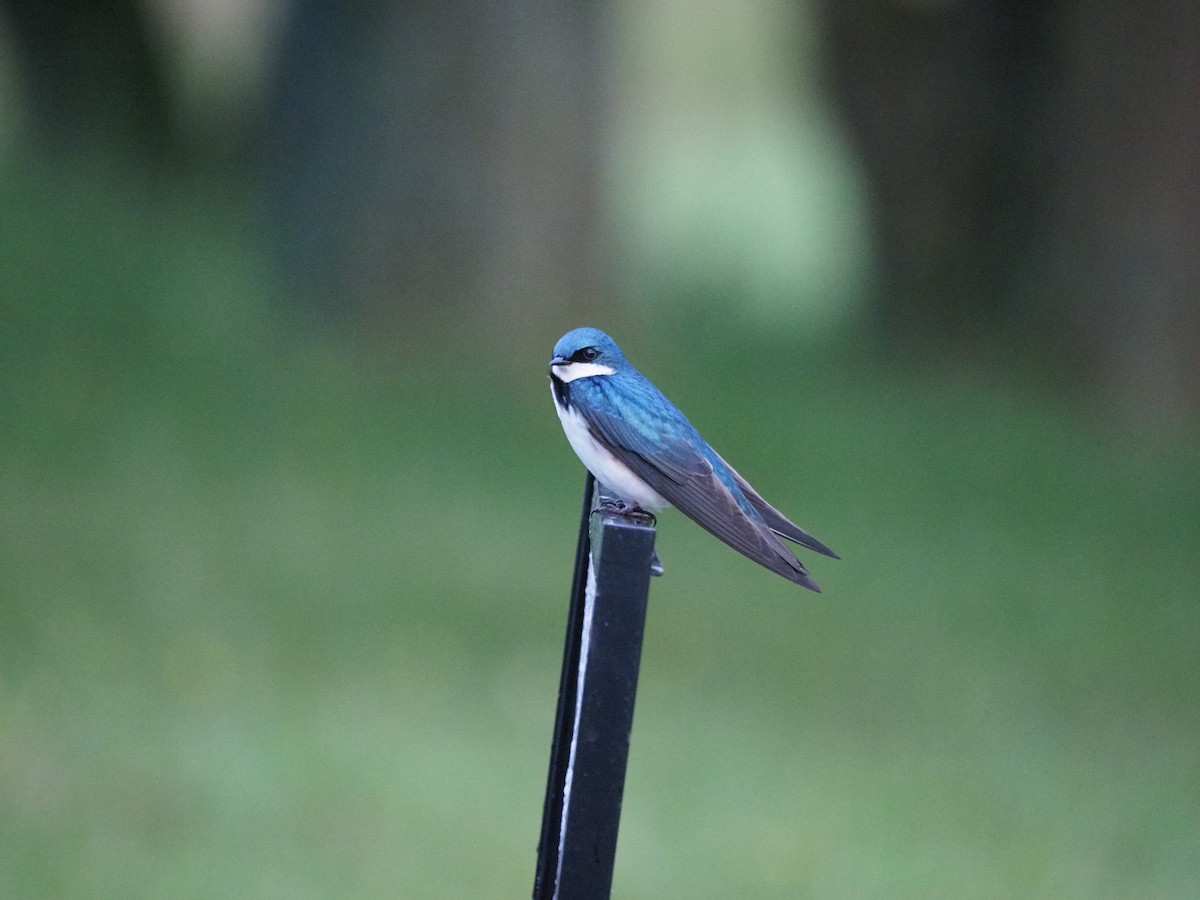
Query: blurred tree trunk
point(93, 75)
point(943, 100)
point(1035, 169)
point(430, 156)
point(1123, 237)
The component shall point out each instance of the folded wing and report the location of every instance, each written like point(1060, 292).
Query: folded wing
point(683, 477)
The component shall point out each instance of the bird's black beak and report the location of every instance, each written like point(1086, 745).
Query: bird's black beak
point(558, 361)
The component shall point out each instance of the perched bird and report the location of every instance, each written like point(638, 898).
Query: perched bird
point(634, 440)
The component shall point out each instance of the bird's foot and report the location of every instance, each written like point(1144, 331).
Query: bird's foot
point(628, 511)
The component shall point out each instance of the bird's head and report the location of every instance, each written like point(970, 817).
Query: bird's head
point(585, 353)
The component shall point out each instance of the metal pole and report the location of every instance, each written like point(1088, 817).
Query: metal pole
point(590, 747)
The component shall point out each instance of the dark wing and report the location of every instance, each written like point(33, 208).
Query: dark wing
point(686, 480)
point(776, 520)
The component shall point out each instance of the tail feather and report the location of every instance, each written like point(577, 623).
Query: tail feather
point(777, 521)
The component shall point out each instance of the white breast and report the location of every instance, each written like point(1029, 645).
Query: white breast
point(601, 463)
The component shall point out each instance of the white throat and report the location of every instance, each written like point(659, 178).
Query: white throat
point(569, 372)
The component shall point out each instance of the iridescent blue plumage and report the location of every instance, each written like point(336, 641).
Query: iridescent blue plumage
point(637, 442)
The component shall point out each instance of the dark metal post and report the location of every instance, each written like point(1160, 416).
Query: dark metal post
point(590, 747)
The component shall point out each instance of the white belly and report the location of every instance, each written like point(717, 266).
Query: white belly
point(619, 478)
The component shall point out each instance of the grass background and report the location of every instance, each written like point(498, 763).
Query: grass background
point(282, 613)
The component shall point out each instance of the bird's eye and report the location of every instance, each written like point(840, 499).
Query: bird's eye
point(590, 353)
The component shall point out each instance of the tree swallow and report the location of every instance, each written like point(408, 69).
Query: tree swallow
point(634, 440)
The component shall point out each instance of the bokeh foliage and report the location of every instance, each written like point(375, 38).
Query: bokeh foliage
point(282, 611)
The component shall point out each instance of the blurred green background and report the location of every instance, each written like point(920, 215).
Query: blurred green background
point(287, 521)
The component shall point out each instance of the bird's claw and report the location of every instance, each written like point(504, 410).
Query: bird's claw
point(628, 511)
